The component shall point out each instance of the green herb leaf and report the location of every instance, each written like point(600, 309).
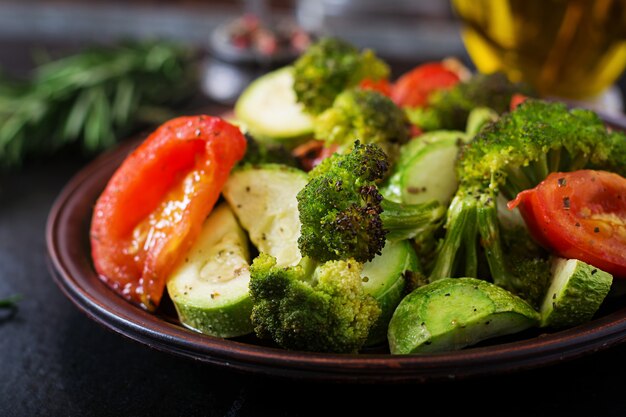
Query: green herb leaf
point(10, 302)
point(92, 99)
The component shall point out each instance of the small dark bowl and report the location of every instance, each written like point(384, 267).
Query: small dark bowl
point(70, 263)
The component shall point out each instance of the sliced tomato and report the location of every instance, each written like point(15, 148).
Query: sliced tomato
point(516, 100)
point(154, 205)
point(579, 215)
point(383, 86)
point(413, 88)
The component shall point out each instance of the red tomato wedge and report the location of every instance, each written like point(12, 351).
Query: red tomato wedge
point(413, 88)
point(383, 86)
point(516, 100)
point(154, 205)
point(579, 215)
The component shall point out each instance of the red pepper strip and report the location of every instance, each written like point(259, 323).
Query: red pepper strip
point(154, 205)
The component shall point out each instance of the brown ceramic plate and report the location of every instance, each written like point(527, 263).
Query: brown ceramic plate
point(70, 261)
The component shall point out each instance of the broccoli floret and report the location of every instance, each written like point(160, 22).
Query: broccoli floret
point(311, 307)
point(615, 160)
point(449, 109)
point(523, 147)
point(515, 153)
point(329, 67)
point(364, 114)
point(343, 215)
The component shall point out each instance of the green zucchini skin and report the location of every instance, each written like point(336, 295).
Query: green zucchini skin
point(384, 279)
point(210, 287)
point(576, 292)
point(453, 313)
point(425, 169)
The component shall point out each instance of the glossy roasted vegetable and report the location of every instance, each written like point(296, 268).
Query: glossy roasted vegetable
point(153, 207)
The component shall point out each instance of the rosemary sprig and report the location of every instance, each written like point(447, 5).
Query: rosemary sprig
point(10, 302)
point(92, 98)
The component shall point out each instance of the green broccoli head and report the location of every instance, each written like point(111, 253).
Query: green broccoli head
point(340, 207)
point(449, 109)
point(329, 67)
point(524, 146)
point(323, 310)
point(510, 155)
point(615, 159)
point(343, 215)
point(365, 115)
point(366, 162)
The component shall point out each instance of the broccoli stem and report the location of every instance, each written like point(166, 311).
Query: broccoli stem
point(461, 214)
point(523, 178)
point(523, 273)
point(538, 170)
point(579, 161)
point(469, 241)
point(516, 181)
point(470, 215)
point(542, 168)
point(554, 160)
point(406, 221)
point(489, 230)
point(473, 215)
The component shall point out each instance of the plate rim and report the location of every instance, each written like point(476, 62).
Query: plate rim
point(143, 327)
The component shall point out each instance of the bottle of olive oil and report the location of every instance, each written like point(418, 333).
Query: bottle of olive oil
point(565, 48)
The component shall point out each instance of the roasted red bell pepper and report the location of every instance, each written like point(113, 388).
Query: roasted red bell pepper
point(155, 203)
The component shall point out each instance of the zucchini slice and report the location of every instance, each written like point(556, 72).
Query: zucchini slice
point(263, 198)
point(269, 111)
point(383, 279)
point(210, 288)
point(425, 170)
point(453, 313)
point(575, 294)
